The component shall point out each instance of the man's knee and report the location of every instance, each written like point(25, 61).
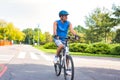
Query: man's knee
point(61, 46)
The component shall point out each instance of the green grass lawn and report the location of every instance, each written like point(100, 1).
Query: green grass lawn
point(53, 51)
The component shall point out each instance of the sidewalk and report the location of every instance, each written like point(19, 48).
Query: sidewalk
point(3, 69)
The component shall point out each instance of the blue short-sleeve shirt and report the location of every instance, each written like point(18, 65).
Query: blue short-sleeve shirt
point(62, 29)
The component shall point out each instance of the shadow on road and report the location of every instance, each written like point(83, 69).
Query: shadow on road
point(87, 73)
point(46, 72)
point(30, 72)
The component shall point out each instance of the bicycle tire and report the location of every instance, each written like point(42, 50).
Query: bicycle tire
point(66, 76)
point(58, 67)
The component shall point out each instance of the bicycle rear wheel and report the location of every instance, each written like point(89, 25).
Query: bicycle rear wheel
point(57, 67)
point(69, 68)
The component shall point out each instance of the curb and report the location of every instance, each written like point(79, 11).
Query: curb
point(3, 69)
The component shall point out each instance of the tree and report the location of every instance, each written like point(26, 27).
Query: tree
point(116, 18)
point(100, 25)
point(3, 24)
point(48, 37)
point(38, 36)
point(28, 35)
point(117, 37)
point(80, 29)
point(14, 33)
point(9, 32)
point(32, 36)
point(19, 35)
point(81, 32)
point(2, 33)
point(116, 13)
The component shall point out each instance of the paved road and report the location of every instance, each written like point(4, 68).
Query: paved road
point(27, 63)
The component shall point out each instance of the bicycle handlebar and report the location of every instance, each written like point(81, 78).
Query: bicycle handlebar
point(76, 37)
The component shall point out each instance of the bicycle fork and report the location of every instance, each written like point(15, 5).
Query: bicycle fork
point(65, 57)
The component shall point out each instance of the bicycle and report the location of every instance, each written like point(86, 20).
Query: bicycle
point(66, 62)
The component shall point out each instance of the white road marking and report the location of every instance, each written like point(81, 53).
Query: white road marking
point(45, 56)
point(22, 55)
point(6, 57)
point(34, 56)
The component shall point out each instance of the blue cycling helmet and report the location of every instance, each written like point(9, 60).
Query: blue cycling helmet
point(63, 12)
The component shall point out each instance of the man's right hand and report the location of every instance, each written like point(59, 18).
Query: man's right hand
point(56, 36)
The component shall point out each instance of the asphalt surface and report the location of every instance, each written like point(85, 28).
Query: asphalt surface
point(24, 62)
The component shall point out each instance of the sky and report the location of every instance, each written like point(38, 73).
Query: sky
point(31, 13)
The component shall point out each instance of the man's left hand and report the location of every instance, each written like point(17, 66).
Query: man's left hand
point(77, 37)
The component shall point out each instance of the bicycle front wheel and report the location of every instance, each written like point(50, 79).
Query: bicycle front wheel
point(69, 68)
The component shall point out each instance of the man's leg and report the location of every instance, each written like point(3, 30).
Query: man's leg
point(60, 47)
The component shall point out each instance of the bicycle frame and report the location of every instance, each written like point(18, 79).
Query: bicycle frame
point(64, 51)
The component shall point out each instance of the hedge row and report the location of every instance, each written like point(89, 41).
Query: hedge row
point(96, 48)
point(50, 46)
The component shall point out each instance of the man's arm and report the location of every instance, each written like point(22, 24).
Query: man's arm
point(72, 30)
point(54, 28)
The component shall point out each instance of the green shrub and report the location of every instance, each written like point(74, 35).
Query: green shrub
point(101, 48)
point(89, 49)
point(50, 45)
point(82, 47)
point(115, 50)
point(78, 47)
point(96, 48)
point(73, 47)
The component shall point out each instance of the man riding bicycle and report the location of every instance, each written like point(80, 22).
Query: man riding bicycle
point(60, 32)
